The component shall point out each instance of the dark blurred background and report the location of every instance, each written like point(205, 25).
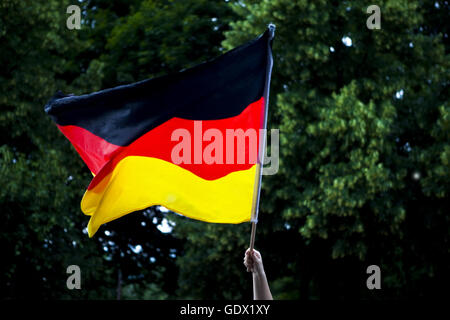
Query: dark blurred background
point(364, 145)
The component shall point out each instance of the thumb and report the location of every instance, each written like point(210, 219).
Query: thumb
point(256, 255)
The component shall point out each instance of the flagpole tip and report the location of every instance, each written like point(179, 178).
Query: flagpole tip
point(271, 28)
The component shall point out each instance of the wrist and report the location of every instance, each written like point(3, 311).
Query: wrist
point(259, 273)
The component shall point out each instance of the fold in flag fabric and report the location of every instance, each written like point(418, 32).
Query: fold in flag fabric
point(185, 141)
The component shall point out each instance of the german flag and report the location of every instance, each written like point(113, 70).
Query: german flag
point(185, 141)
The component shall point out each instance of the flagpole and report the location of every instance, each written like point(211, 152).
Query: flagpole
point(262, 146)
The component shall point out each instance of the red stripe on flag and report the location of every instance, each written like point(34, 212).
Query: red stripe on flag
point(94, 151)
point(101, 156)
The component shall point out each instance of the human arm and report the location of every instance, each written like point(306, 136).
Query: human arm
point(254, 264)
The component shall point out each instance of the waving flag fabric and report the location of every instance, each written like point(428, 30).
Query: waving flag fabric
point(128, 136)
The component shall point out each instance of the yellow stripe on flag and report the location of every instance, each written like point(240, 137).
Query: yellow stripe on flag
point(140, 182)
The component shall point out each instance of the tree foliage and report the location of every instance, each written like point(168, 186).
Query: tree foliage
point(364, 150)
point(364, 174)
